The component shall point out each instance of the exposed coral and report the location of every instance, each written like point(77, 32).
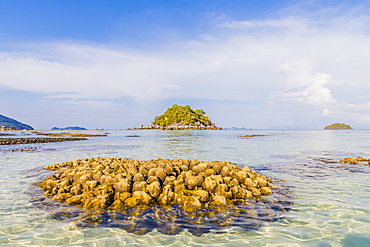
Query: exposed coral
point(117, 183)
point(251, 136)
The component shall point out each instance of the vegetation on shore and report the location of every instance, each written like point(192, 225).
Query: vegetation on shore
point(336, 126)
point(182, 115)
point(179, 117)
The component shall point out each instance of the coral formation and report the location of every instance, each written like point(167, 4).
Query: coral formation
point(116, 183)
point(248, 136)
point(13, 141)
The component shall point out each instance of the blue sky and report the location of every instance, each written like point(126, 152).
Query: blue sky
point(118, 64)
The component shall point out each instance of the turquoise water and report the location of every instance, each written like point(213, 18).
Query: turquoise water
point(331, 200)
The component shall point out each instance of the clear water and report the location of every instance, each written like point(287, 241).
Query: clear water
point(331, 200)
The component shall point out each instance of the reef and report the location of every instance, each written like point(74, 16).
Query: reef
point(249, 136)
point(355, 161)
point(338, 126)
point(169, 191)
point(14, 141)
point(29, 149)
point(74, 135)
point(348, 160)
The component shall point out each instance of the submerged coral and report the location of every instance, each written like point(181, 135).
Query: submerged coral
point(204, 191)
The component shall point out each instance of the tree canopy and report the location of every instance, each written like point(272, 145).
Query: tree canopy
point(338, 126)
point(182, 115)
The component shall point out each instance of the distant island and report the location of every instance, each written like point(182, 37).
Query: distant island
point(237, 128)
point(7, 123)
point(69, 128)
point(179, 117)
point(338, 126)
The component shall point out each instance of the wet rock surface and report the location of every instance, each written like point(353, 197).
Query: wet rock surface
point(162, 194)
point(348, 160)
point(249, 136)
point(73, 135)
point(29, 149)
point(14, 141)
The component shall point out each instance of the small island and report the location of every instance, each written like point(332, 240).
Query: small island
point(69, 128)
point(179, 117)
point(338, 126)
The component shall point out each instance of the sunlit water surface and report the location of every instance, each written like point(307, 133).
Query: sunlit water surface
point(331, 201)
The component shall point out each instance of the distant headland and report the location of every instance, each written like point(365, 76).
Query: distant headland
point(69, 128)
point(179, 117)
point(338, 126)
point(7, 123)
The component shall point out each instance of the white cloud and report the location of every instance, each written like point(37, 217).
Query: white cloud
point(314, 94)
point(259, 24)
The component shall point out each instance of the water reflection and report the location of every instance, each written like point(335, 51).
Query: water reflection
point(182, 142)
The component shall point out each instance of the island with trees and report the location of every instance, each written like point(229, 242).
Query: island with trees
point(338, 126)
point(179, 117)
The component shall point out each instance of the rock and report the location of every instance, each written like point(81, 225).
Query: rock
point(154, 189)
point(265, 191)
point(202, 195)
point(349, 160)
point(139, 186)
point(193, 181)
point(218, 201)
point(202, 167)
point(143, 197)
point(209, 185)
point(260, 182)
point(138, 177)
point(161, 174)
point(122, 186)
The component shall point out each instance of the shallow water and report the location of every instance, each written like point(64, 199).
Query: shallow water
point(331, 200)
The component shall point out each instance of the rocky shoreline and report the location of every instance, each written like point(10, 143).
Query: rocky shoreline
point(14, 141)
point(177, 127)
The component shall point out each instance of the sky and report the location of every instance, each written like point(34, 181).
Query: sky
point(261, 64)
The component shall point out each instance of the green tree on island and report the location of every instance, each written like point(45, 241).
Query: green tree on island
point(338, 126)
point(182, 115)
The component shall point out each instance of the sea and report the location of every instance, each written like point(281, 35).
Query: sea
point(330, 201)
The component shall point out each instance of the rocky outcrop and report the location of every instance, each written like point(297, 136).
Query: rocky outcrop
point(115, 183)
point(178, 126)
point(249, 136)
point(347, 160)
point(14, 141)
